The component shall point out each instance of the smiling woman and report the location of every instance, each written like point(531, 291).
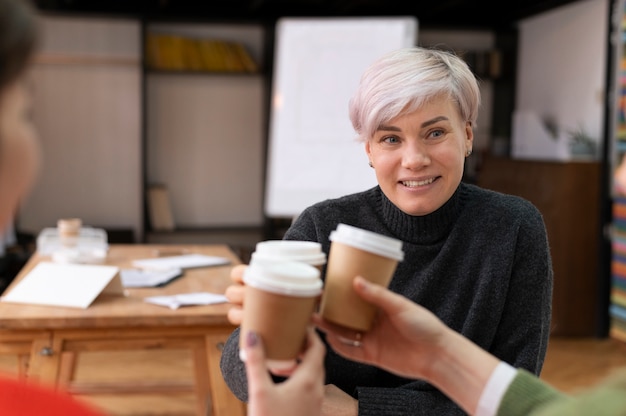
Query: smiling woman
point(479, 260)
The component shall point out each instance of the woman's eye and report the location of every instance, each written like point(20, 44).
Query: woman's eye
point(436, 133)
point(390, 139)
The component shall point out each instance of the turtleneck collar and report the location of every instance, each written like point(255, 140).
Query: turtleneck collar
point(425, 229)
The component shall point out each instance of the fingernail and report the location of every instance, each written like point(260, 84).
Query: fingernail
point(252, 339)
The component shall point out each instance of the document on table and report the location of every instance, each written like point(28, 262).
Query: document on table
point(185, 261)
point(187, 299)
point(148, 278)
point(71, 285)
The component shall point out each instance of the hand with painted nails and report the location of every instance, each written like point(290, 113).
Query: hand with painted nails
point(302, 393)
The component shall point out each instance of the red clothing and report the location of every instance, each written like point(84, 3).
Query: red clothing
point(24, 398)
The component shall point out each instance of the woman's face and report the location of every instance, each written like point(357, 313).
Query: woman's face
point(19, 150)
point(419, 157)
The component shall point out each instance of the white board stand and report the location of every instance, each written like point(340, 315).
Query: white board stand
point(313, 154)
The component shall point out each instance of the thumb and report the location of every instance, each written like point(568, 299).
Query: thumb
point(377, 295)
point(256, 369)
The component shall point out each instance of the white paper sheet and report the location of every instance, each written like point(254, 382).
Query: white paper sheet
point(187, 299)
point(148, 278)
point(71, 285)
point(185, 261)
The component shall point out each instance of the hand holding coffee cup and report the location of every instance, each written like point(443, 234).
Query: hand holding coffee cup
point(266, 252)
point(356, 252)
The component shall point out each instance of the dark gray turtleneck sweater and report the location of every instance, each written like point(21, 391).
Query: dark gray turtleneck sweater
point(481, 263)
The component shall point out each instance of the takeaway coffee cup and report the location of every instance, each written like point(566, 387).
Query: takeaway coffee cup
point(272, 251)
point(354, 251)
point(279, 301)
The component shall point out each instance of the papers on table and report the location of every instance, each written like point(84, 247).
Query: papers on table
point(78, 285)
point(185, 261)
point(71, 285)
point(148, 278)
point(153, 272)
point(186, 299)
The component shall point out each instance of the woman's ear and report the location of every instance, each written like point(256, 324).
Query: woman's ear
point(368, 150)
point(469, 134)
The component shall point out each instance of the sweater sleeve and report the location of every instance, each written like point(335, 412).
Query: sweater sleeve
point(233, 369)
point(529, 396)
point(524, 328)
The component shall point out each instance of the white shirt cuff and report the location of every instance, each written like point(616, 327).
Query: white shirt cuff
point(497, 385)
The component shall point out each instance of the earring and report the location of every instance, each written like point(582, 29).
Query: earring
point(468, 153)
point(371, 165)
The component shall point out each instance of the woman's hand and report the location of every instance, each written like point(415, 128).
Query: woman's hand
point(301, 394)
point(235, 294)
point(411, 341)
point(405, 338)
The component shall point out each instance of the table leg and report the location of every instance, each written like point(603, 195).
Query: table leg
point(224, 402)
point(45, 360)
point(67, 368)
point(202, 385)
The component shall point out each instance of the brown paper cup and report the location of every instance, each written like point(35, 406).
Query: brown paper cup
point(279, 301)
point(351, 255)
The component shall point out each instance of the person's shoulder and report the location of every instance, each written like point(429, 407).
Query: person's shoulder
point(345, 202)
point(482, 195)
point(318, 220)
point(499, 202)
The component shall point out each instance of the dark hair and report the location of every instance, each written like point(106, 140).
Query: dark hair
point(18, 38)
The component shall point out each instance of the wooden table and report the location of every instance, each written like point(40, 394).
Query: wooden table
point(48, 339)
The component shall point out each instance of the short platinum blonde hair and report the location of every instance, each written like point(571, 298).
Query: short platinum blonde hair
point(404, 80)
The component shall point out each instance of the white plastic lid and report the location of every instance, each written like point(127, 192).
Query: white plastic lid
point(289, 250)
point(368, 241)
point(286, 278)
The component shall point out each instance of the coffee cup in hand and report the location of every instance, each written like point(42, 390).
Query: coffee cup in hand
point(356, 252)
point(279, 301)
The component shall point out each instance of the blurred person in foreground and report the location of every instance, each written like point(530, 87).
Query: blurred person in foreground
point(20, 159)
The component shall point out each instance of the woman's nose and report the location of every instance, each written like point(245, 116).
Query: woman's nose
point(415, 156)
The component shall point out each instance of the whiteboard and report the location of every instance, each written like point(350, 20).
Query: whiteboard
point(313, 154)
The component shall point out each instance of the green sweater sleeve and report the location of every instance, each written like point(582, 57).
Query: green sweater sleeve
point(529, 396)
